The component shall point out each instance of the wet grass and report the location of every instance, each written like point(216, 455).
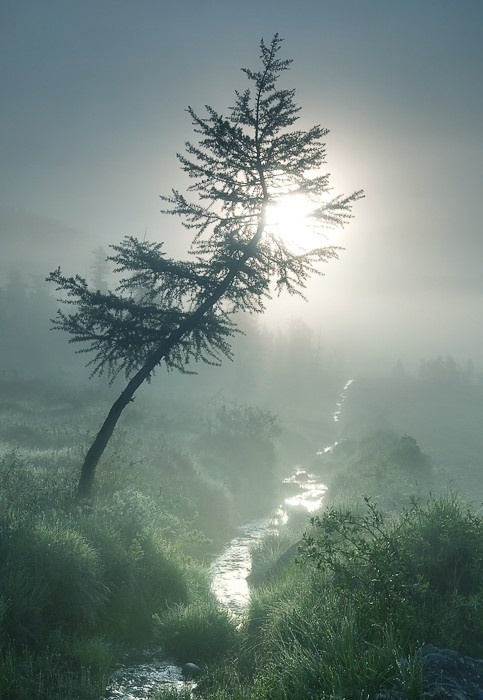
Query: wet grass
point(342, 620)
point(200, 632)
point(346, 620)
point(79, 585)
point(67, 667)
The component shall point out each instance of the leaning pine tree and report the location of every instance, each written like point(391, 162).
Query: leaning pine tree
point(180, 312)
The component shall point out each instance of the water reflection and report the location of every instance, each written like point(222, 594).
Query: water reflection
point(310, 494)
point(229, 574)
point(340, 402)
point(141, 681)
point(230, 570)
point(328, 449)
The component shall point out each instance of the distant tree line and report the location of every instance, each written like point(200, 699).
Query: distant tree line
point(443, 371)
point(446, 370)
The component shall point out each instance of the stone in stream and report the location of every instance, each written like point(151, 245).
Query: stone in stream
point(190, 670)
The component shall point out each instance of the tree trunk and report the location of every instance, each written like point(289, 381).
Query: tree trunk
point(84, 489)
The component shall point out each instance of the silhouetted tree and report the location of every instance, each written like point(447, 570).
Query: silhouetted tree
point(176, 312)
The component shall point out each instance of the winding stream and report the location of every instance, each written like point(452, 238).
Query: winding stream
point(229, 571)
point(139, 680)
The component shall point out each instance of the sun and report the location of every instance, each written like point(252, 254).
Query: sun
point(291, 219)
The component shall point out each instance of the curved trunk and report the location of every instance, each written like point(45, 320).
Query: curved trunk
point(84, 489)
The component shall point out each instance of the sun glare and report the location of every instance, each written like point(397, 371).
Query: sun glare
point(290, 219)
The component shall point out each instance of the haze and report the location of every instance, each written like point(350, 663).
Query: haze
point(93, 114)
point(304, 521)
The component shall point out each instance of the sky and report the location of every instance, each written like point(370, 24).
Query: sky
point(93, 112)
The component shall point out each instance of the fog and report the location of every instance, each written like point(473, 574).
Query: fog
point(140, 510)
point(94, 100)
point(93, 115)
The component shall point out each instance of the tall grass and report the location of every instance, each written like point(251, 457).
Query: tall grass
point(199, 632)
point(66, 668)
point(83, 574)
point(345, 620)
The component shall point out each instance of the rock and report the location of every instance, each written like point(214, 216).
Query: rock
point(446, 675)
point(190, 670)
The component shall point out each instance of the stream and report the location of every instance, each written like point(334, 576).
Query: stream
point(139, 678)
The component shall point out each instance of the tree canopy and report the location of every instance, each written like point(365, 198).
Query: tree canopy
point(179, 312)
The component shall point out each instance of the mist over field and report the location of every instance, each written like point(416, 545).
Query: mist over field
point(197, 473)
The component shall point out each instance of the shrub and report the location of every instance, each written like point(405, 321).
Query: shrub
point(198, 632)
point(299, 642)
point(420, 572)
point(389, 468)
point(382, 585)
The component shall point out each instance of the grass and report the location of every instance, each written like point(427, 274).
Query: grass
point(68, 667)
point(343, 620)
point(79, 585)
point(200, 632)
point(370, 588)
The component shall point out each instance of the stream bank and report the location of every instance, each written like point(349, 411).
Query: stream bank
point(140, 679)
point(144, 672)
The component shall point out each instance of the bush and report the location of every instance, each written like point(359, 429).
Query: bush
point(389, 468)
point(299, 642)
point(368, 590)
point(198, 632)
point(420, 572)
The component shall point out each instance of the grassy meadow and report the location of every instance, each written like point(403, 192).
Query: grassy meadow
point(394, 560)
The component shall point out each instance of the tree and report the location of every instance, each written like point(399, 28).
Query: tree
point(177, 312)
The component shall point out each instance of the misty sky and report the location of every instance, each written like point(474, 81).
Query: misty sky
point(93, 99)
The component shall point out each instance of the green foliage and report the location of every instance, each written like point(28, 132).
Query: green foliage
point(68, 667)
point(51, 577)
point(106, 568)
point(199, 632)
point(346, 620)
point(300, 642)
point(149, 577)
point(26, 489)
point(269, 555)
point(420, 572)
point(269, 549)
